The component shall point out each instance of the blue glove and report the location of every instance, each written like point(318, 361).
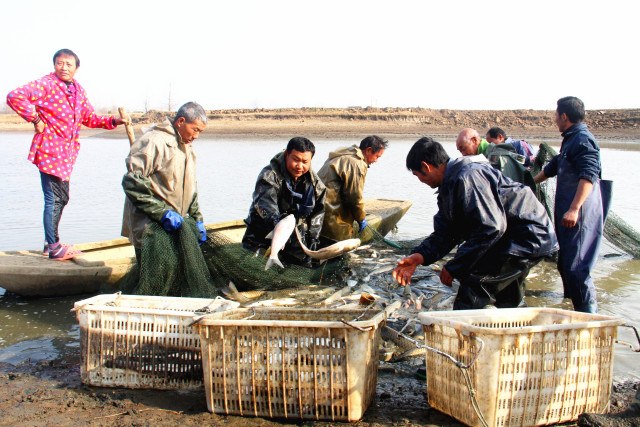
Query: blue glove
point(203, 232)
point(171, 221)
point(363, 224)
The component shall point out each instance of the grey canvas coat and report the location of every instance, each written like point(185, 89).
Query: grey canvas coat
point(161, 176)
point(343, 174)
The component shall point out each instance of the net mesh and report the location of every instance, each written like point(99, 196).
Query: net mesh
point(616, 230)
point(171, 265)
point(374, 237)
point(228, 262)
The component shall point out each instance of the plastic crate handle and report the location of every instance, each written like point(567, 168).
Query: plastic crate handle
point(463, 369)
point(442, 353)
point(637, 337)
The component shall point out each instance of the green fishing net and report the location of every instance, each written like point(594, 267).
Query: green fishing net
point(171, 265)
point(228, 262)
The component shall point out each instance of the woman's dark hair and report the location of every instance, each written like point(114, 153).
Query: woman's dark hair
point(573, 107)
point(374, 142)
point(301, 144)
point(66, 52)
point(426, 150)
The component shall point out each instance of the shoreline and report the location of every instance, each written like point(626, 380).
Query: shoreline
point(623, 125)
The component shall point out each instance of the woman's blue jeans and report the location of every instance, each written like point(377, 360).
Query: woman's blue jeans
point(56, 197)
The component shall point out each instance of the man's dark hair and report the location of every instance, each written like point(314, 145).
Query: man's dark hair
point(191, 111)
point(66, 52)
point(374, 142)
point(573, 107)
point(495, 131)
point(426, 150)
point(301, 144)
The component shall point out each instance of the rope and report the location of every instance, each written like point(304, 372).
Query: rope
point(463, 369)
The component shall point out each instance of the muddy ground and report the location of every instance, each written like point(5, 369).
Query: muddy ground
point(50, 393)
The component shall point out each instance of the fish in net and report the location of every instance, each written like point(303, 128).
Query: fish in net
point(228, 262)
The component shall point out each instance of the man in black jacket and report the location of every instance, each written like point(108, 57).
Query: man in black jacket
point(501, 228)
point(286, 186)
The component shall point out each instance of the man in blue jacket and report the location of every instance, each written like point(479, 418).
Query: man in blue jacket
point(501, 228)
point(579, 216)
point(496, 135)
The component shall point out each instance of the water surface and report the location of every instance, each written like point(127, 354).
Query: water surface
point(227, 169)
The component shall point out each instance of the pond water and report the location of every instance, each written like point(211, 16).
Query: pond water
point(227, 169)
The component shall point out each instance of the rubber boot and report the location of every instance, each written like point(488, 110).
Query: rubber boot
point(591, 307)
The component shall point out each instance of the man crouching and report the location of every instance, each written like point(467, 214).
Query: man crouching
point(287, 185)
point(501, 227)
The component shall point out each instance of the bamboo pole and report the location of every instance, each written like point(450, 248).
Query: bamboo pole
point(127, 126)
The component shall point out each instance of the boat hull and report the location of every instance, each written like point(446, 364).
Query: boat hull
point(30, 274)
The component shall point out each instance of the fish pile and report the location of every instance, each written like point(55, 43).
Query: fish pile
point(367, 282)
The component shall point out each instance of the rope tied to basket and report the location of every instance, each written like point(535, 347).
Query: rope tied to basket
point(464, 370)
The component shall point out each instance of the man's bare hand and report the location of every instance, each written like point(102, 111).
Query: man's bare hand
point(445, 277)
point(406, 267)
point(570, 218)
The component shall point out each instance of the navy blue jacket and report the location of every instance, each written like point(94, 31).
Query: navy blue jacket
point(482, 210)
point(580, 148)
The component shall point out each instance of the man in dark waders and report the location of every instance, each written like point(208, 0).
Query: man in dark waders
point(579, 214)
point(288, 185)
point(501, 228)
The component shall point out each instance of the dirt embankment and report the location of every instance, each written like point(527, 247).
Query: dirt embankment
point(404, 121)
point(334, 122)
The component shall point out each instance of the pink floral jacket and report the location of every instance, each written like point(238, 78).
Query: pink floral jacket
point(63, 109)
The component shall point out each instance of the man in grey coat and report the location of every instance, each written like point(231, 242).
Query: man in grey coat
point(160, 183)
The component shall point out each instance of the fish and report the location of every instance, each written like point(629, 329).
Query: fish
point(232, 292)
point(445, 304)
point(331, 251)
point(363, 248)
point(279, 237)
point(336, 295)
point(380, 270)
point(279, 302)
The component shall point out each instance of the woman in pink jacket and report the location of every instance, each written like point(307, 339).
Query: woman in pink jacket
point(57, 105)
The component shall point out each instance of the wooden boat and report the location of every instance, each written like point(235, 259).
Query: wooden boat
point(29, 273)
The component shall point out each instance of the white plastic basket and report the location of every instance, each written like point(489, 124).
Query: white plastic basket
point(139, 341)
point(527, 366)
point(291, 362)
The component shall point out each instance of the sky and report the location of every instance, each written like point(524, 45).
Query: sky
point(275, 54)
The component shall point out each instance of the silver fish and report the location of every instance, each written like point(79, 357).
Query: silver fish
point(232, 292)
point(279, 237)
point(331, 251)
point(279, 302)
point(382, 269)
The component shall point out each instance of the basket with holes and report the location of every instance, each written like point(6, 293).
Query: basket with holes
point(524, 366)
point(298, 363)
point(138, 341)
